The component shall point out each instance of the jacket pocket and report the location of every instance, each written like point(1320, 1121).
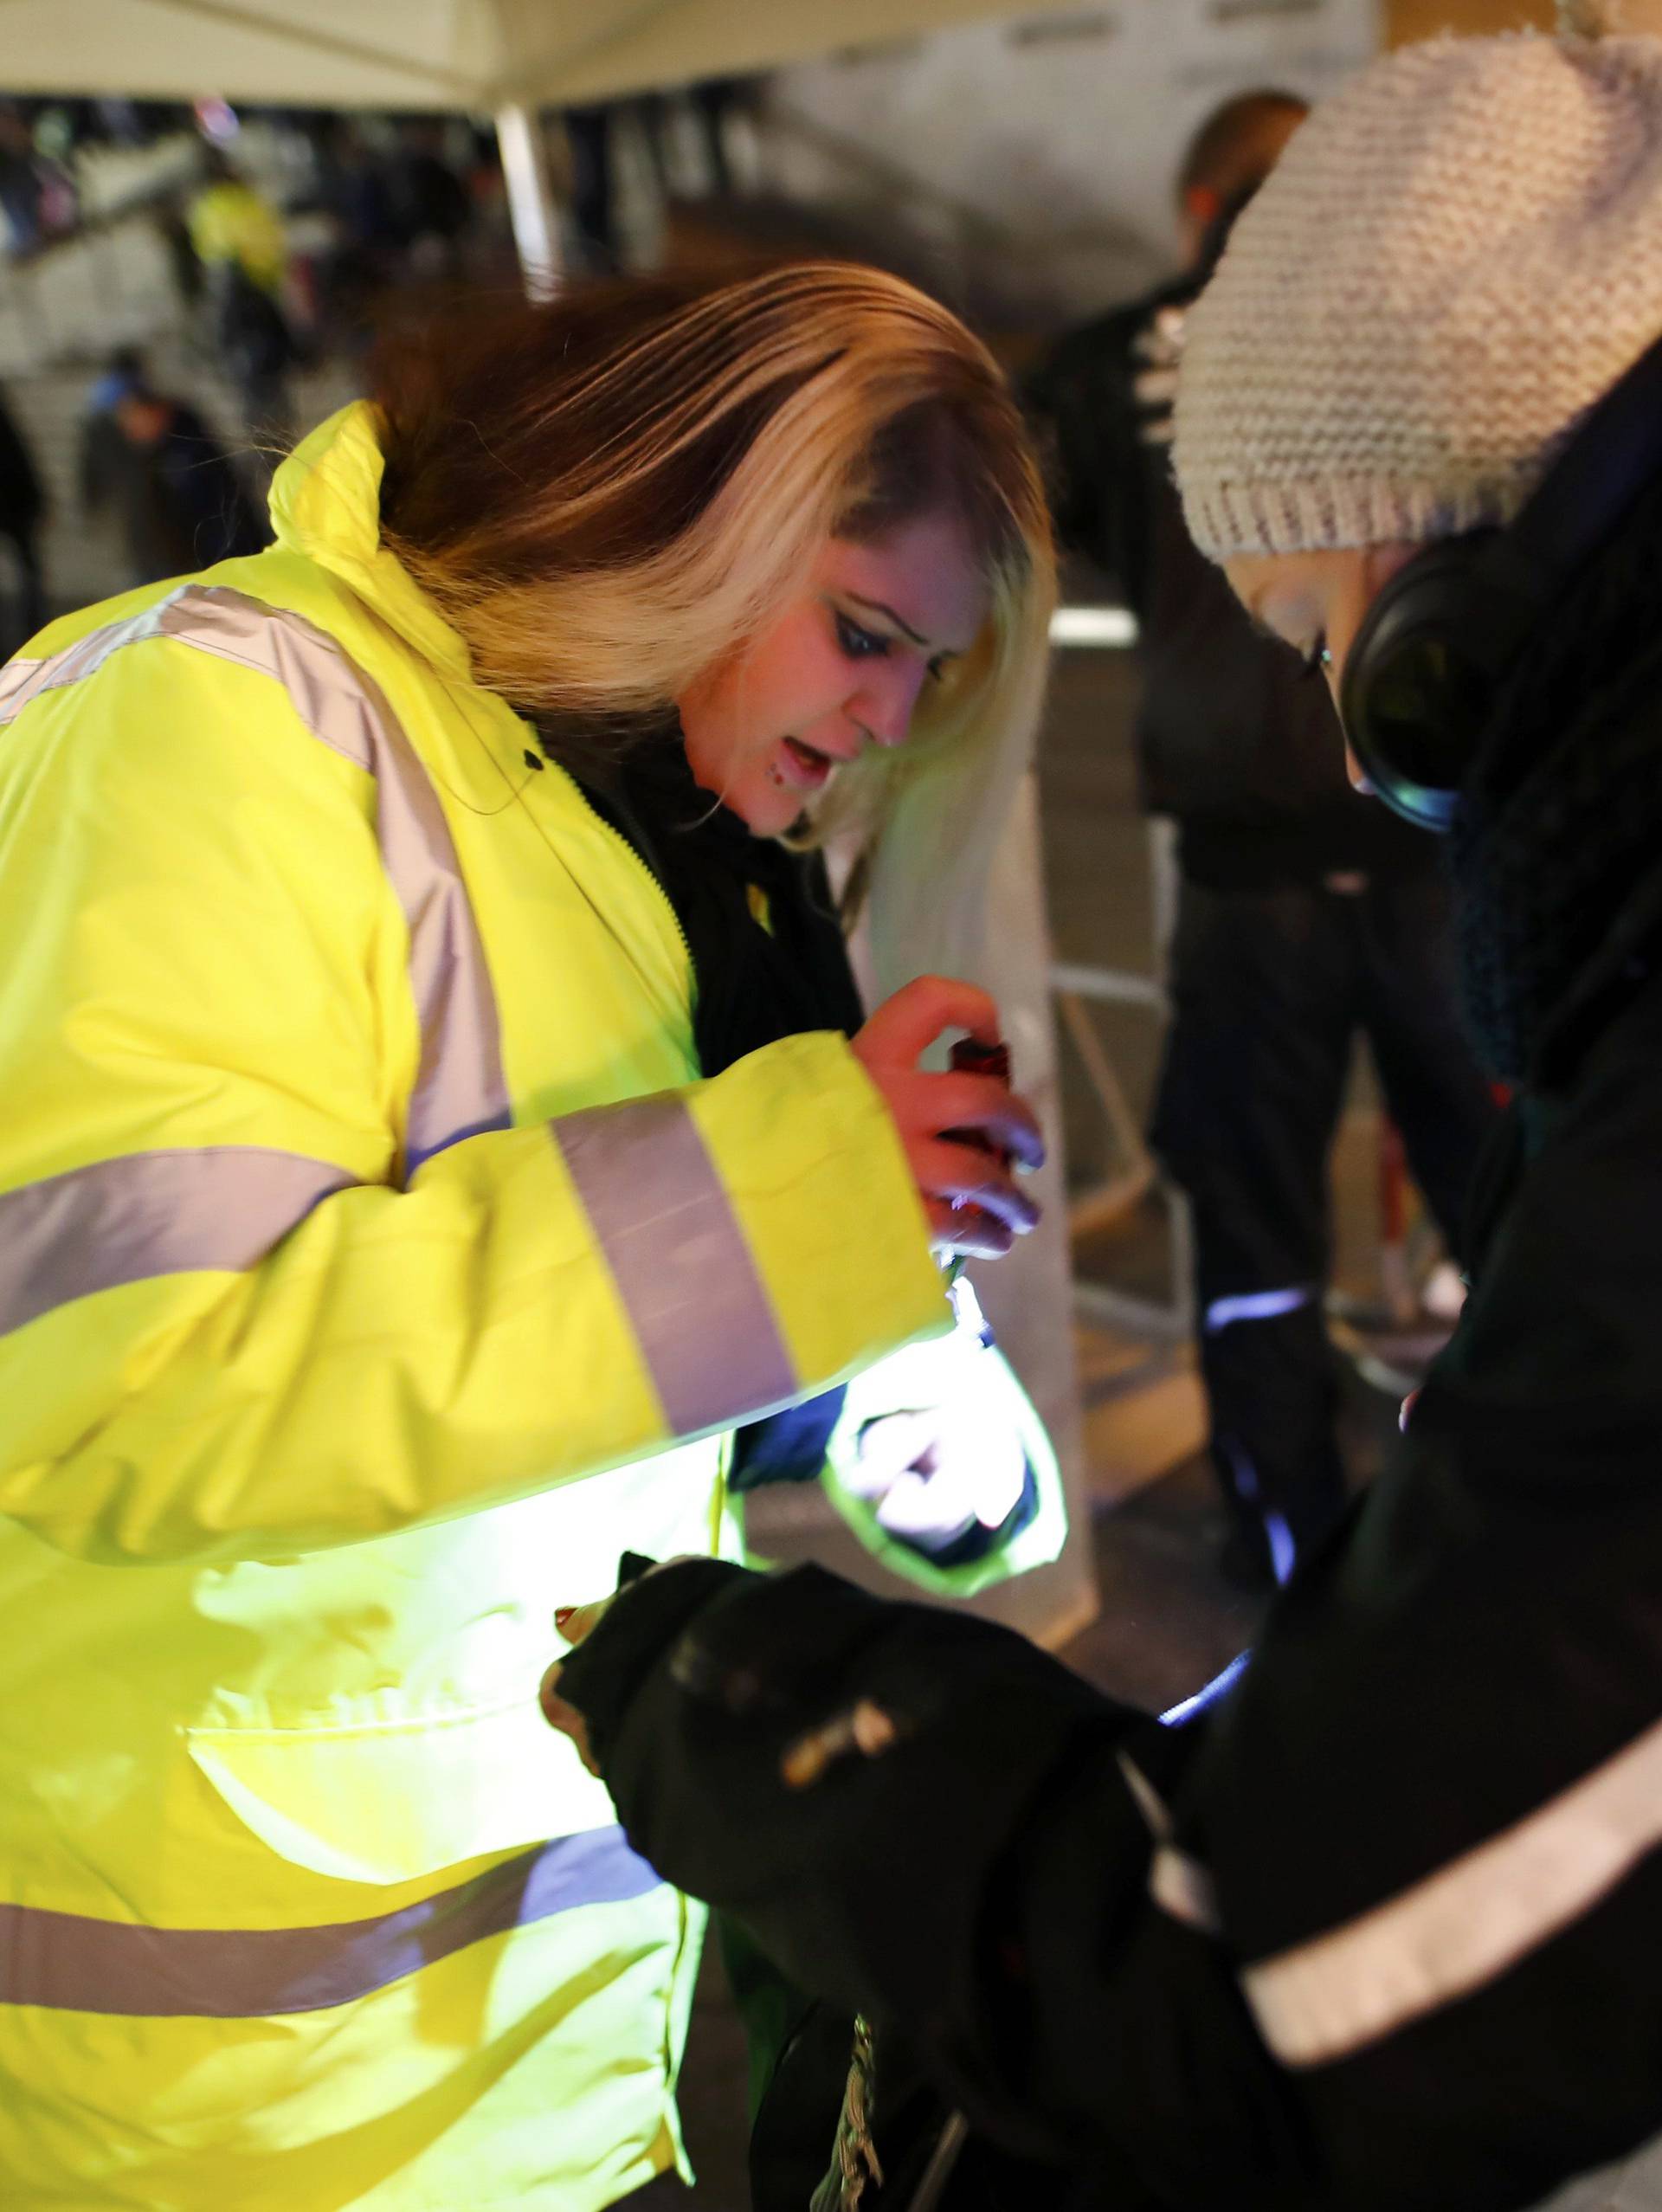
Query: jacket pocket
point(391, 1801)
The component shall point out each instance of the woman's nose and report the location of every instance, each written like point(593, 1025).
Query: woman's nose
point(884, 710)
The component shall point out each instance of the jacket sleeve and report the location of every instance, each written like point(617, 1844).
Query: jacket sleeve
point(1379, 1935)
point(228, 1319)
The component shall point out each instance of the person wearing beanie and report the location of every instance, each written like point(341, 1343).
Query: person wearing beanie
point(1373, 1926)
point(1305, 913)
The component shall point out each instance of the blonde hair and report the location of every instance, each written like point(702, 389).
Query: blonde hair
point(610, 494)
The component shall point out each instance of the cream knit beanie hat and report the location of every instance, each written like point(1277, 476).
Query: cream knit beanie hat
point(1459, 254)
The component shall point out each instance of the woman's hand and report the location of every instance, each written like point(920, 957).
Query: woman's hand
point(971, 1199)
point(931, 1474)
point(574, 1623)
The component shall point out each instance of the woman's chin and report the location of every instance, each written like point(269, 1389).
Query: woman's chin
point(767, 811)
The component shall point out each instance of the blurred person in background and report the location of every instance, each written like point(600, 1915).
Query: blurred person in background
point(591, 135)
point(1376, 1931)
point(361, 261)
point(242, 246)
point(101, 448)
point(23, 509)
point(430, 203)
point(37, 192)
point(444, 1151)
point(1306, 914)
point(151, 458)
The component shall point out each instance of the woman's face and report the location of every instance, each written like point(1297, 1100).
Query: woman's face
point(842, 667)
point(1315, 603)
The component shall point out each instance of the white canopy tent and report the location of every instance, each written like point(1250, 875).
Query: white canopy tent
point(480, 55)
point(501, 58)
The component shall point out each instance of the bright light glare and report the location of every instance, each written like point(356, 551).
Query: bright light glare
point(1112, 626)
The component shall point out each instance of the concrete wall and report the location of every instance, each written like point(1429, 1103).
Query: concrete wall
point(1048, 143)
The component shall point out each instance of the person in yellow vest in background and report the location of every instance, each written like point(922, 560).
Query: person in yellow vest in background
point(238, 237)
point(444, 1151)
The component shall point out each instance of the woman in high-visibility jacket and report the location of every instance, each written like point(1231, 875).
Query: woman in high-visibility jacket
point(376, 1263)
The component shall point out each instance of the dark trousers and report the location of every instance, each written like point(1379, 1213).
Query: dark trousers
point(30, 601)
point(1269, 991)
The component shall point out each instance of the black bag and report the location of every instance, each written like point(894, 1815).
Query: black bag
point(847, 2121)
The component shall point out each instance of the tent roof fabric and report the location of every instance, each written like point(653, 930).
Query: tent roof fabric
point(478, 55)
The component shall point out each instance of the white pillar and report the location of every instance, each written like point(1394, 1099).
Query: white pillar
point(531, 198)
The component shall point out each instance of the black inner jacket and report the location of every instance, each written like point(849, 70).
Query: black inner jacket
point(758, 979)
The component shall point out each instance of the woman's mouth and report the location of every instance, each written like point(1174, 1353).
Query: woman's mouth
point(802, 767)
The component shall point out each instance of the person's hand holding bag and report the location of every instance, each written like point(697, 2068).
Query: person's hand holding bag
point(972, 1200)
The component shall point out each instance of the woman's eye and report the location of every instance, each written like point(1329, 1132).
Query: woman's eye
point(859, 642)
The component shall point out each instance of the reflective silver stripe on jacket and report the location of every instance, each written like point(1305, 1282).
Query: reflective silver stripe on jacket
point(1466, 1924)
point(145, 1214)
point(1177, 1883)
point(681, 1260)
point(459, 1087)
point(71, 1962)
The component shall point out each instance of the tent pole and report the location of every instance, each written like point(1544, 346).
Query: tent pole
point(531, 198)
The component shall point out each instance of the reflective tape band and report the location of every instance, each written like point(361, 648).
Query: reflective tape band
point(143, 1214)
point(681, 1260)
point(1156, 1813)
point(1254, 1305)
point(460, 1088)
point(1177, 1883)
point(1466, 1924)
point(22, 681)
point(69, 1963)
point(1180, 1885)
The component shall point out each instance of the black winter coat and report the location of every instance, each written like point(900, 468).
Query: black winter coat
point(1377, 1931)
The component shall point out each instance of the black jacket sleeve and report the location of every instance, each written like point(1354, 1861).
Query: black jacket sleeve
point(1380, 1937)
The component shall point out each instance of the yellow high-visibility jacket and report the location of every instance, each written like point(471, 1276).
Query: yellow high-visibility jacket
point(374, 1269)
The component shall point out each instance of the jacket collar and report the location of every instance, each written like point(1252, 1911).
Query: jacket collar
point(326, 503)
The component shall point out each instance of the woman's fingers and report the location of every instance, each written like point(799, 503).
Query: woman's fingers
point(889, 1446)
point(932, 1106)
point(575, 1622)
point(968, 1231)
point(563, 1717)
point(906, 1025)
point(973, 1204)
point(963, 1175)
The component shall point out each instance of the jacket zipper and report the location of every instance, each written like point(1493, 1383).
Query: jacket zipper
point(636, 860)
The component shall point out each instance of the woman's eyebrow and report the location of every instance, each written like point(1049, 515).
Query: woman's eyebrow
point(877, 607)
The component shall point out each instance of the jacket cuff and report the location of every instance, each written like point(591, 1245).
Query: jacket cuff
point(814, 1171)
